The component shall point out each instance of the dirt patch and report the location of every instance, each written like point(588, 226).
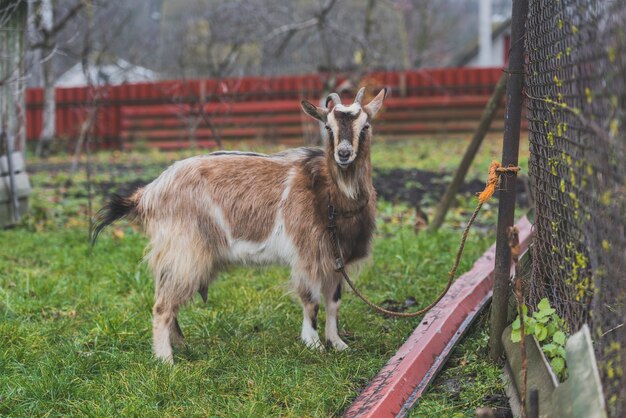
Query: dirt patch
point(425, 188)
point(410, 186)
point(416, 187)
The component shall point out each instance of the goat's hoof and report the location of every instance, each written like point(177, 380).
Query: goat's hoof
point(313, 343)
point(169, 360)
point(339, 345)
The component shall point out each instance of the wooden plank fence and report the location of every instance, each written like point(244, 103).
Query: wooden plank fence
point(180, 113)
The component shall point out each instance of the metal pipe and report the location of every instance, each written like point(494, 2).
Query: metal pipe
point(510, 151)
point(15, 206)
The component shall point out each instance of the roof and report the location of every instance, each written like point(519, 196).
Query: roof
point(115, 73)
point(471, 50)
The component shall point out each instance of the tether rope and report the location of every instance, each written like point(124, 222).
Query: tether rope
point(495, 170)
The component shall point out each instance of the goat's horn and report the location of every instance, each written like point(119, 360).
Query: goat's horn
point(334, 97)
point(359, 95)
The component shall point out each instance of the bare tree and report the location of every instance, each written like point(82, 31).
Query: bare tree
point(325, 35)
point(93, 44)
point(216, 40)
point(191, 108)
point(426, 30)
point(43, 18)
point(12, 91)
point(326, 25)
point(43, 31)
point(12, 73)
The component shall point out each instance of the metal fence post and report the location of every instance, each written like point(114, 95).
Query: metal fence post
point(510, 151)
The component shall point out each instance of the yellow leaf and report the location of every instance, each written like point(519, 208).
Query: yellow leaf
point(358, 57)
point(118, 234)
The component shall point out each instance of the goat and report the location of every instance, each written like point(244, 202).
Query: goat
point(207, 212)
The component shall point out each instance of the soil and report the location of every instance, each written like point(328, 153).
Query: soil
point(417, 188)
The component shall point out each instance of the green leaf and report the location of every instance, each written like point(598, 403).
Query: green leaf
point(552, 328)
point(543, 304)
point(515, 324)
point(559, 337)
point(543, 320)
point(557, 364)
point(550, 349)
point(516, 336)
point(541, 332)
point(544, 313)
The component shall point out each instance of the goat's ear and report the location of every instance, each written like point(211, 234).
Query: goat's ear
point(377, 102)
point(318, 113)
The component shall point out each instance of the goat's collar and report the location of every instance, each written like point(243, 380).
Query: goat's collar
point(334, 213)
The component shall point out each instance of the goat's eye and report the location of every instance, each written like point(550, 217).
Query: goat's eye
point(327, 128)
point(366, 127)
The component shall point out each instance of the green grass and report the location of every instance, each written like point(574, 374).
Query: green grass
point(75, 331)
point(443, 154)
point(468, 381)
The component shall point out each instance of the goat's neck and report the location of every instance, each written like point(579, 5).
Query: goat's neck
point(351, 187)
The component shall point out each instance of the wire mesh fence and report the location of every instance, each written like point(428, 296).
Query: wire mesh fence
point(576, 96)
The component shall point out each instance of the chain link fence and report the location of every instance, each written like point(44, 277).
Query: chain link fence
point(576, 96)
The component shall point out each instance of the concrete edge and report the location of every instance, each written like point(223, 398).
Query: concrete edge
point(404, 378)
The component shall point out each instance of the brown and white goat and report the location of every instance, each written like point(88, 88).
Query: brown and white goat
point(207, 212)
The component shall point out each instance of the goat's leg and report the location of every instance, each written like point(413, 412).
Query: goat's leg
point(177, 339)
point(332, 300)
point(181, 268)
point(169, 297)
point(163, 323)
point(310, 296)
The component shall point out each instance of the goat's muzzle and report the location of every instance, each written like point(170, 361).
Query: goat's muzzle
point(344, 155)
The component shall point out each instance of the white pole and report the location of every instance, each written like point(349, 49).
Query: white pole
point(484, 34)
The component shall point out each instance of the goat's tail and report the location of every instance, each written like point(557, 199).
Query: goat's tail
point(118, 207)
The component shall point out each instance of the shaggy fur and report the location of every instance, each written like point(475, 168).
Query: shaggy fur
point(208, 212)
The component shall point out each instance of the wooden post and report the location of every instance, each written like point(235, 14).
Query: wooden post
point(485, 122)
point(510, 151)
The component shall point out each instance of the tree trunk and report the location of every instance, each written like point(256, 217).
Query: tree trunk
point(48, 131)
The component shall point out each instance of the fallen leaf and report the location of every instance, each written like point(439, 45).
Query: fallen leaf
point(118, 234)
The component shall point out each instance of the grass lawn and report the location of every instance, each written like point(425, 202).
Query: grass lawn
point(75, 329)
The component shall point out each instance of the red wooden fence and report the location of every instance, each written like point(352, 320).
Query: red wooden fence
point(163, 114)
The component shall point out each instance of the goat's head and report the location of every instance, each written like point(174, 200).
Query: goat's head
point(347, 126)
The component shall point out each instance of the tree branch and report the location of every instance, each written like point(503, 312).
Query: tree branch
point(49, 34)
point(319, 20)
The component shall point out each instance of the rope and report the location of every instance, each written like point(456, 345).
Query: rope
point(495, 170)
